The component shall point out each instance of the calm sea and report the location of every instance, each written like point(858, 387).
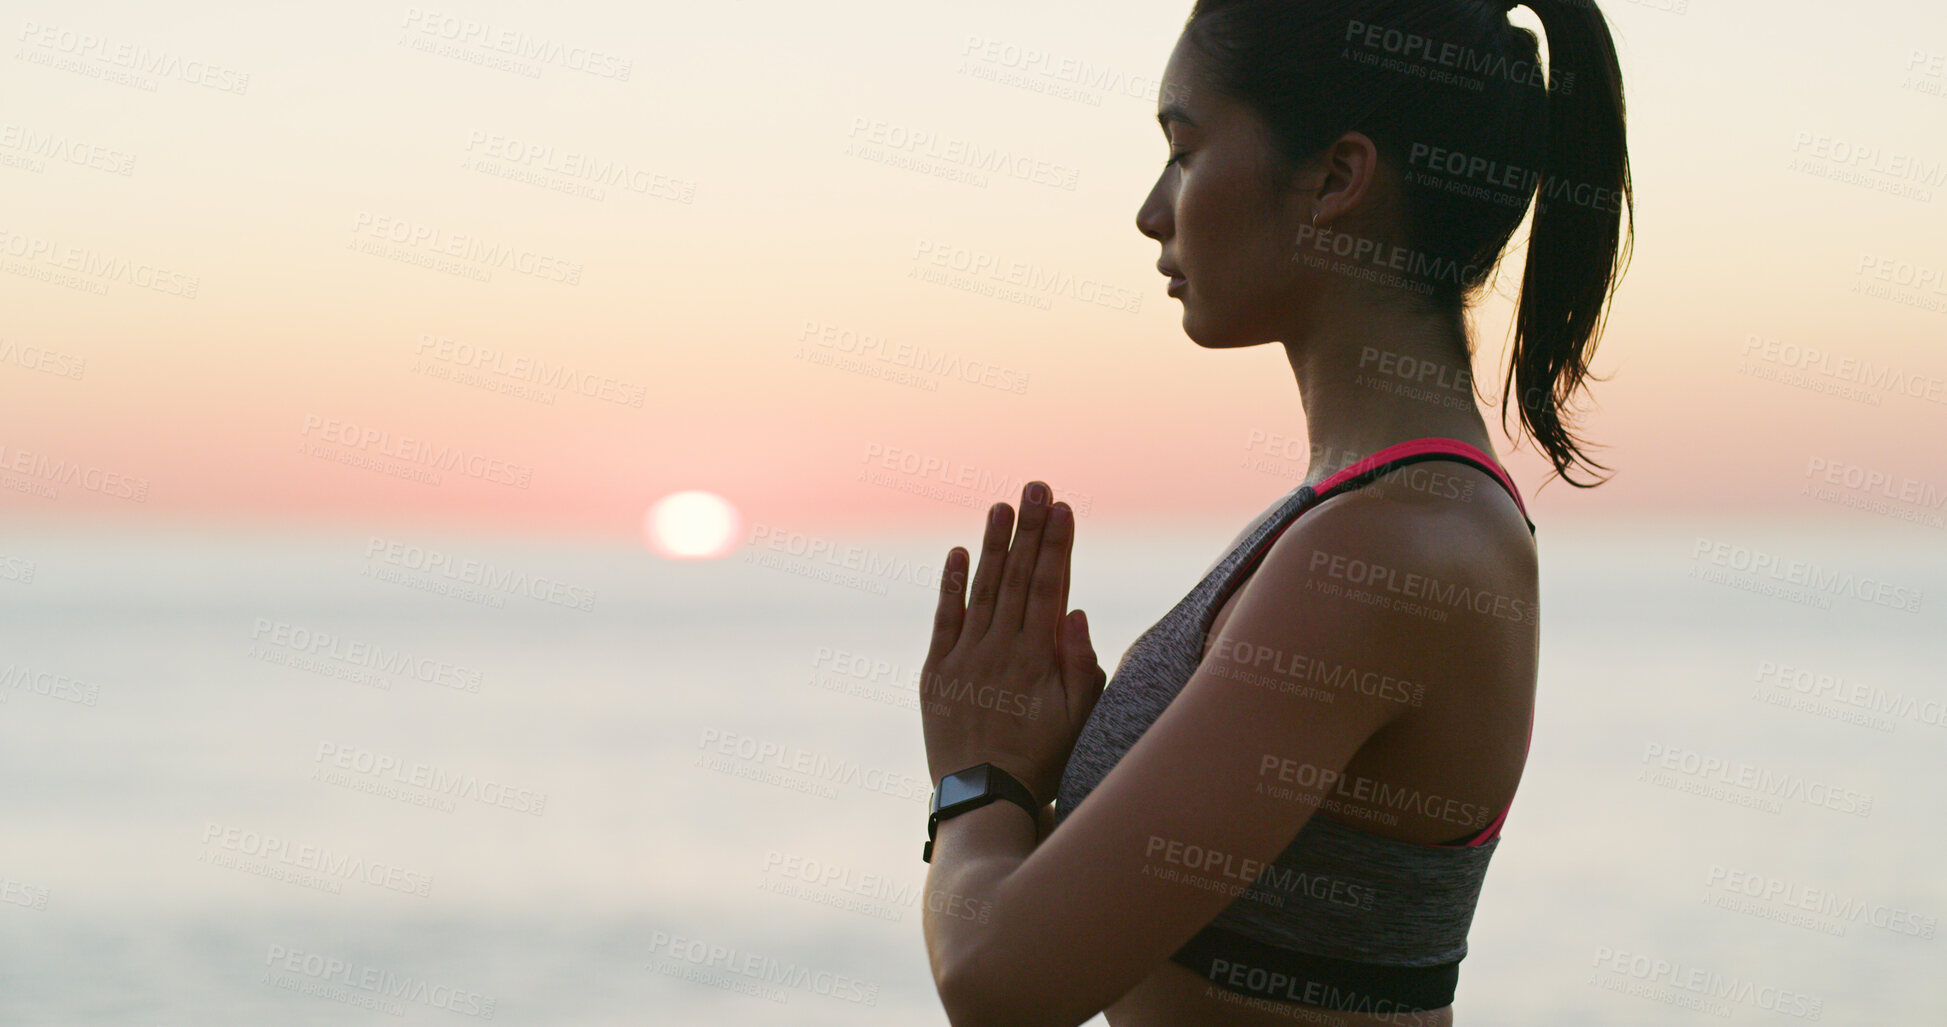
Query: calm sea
point(283, 779)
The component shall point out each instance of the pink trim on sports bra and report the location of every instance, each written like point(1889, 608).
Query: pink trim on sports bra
point(1432, 444)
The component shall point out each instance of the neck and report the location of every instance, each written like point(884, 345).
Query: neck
point(1375, 375)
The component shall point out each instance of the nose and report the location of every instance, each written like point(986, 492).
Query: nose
point(1155, 218)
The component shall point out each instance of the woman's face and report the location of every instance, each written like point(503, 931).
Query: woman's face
point(1222, 228)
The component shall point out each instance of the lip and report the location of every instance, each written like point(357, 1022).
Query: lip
point(1177, 281)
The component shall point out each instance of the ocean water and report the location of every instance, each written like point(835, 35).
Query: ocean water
point(308, 779)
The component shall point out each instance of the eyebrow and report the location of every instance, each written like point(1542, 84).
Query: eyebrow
point(1173, 112)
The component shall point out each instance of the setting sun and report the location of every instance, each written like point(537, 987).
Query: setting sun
point(692, 525)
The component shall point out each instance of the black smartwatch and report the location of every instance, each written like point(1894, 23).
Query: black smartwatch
point(971, 789)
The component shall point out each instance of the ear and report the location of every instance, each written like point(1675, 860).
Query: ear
point(1348, 169)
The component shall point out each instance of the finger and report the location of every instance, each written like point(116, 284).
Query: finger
point(1067, 561)
point(1082, 677)
point(1041, 619)
point(952, 609)
point(1013, 600)
point(987, 580)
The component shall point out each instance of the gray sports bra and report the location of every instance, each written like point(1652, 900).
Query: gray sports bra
point(1341, 919)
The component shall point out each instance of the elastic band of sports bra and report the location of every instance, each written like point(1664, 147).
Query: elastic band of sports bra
point(1244, 965)
point(1412, 452)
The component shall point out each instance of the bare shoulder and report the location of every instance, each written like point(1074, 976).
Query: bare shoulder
point(1439, 543)
point(1433, 512)
point(1426, 595)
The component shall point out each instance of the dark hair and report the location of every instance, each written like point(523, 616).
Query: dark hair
point(1454, 80)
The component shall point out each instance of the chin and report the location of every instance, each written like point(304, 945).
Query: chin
point(1211, 333)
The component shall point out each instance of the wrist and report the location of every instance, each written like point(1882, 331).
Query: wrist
point(965, 792)
point(996, 829)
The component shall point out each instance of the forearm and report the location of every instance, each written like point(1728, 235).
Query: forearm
point(973, 854)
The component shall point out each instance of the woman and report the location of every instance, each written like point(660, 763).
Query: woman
point(1283, 807)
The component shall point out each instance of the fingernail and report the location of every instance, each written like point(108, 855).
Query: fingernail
point(1037, 493)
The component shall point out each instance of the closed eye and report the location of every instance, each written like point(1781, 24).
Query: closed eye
point(1174, 157)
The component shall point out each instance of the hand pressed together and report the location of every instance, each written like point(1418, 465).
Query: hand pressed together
point(1009, 679)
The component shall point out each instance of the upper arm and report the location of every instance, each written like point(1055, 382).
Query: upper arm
point(1217, 787)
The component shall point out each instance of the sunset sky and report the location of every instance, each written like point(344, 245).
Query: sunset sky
point(219, 229)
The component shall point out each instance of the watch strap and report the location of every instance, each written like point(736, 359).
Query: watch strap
point(995, 783)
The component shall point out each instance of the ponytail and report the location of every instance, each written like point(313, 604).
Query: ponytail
point(1316, 70)
point(1578, 245)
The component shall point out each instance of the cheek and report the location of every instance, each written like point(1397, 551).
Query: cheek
point(1228, 241)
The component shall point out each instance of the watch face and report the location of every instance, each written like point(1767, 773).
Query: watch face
point(960, 787)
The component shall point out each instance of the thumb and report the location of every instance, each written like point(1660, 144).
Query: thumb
point(1079, 669)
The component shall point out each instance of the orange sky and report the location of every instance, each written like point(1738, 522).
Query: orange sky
point(298, 178)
